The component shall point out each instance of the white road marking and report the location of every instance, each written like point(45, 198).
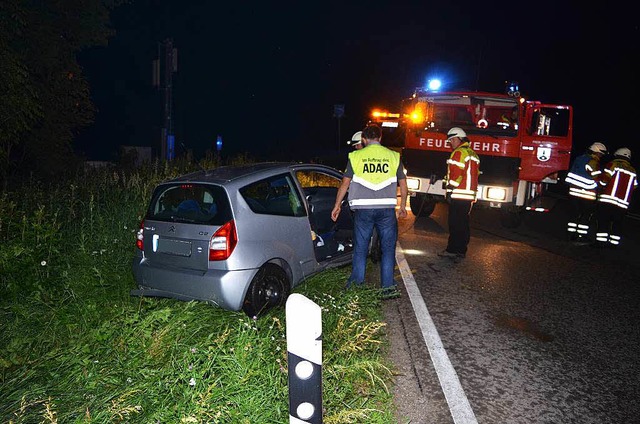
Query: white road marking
point(459, 406)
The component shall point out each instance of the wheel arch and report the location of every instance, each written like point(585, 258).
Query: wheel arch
point(282, 263)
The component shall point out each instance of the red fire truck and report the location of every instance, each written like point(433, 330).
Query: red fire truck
point(522, 145)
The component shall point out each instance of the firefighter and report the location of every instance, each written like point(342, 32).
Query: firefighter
point(463, 169)
point(620, 180)
point(584, 179)
point(372, 177)
point(508, 119)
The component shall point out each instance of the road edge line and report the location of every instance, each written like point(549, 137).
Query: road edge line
point(459, 405)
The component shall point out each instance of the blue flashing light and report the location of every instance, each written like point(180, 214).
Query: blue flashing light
point(512, 88)
point(434, 84)
point(219, 143)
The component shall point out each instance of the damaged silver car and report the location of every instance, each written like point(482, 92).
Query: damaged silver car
point(241, 237)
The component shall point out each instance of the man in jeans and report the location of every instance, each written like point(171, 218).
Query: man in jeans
point(372, 176)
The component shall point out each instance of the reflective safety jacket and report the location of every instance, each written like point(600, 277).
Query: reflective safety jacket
point(376, 171)
point(583, 177)
point(463, 169)
point(620, 181)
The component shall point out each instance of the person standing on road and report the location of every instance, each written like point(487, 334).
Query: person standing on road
point(357, 143)
point(463, 169)
point(620, 180)
point(583, 179)
point(372, 176)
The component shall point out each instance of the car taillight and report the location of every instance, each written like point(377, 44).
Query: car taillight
point(223, 242)
point(140, 236)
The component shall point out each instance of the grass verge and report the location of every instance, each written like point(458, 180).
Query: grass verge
point(75, 348)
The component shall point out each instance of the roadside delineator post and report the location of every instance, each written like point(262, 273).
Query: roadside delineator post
point(304, 358)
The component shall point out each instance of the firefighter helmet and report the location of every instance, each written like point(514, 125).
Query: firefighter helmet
point(624, 152)
point(598, 148)
point(456, 132)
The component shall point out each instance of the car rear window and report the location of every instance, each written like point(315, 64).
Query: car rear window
point(194, 203)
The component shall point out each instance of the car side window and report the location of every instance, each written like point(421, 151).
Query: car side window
point(274, 196)
point(310, 179)
point(320, 191)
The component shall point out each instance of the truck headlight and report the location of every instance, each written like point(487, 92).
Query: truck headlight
point(496, 194)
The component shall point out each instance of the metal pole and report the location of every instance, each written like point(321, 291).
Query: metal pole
point(160, 86)
point(339, 138)
point(168, 76)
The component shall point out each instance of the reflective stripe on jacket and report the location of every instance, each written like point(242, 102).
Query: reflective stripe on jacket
point(583, 176)
point(620, 180)
point(463, 169)
point(374, 181)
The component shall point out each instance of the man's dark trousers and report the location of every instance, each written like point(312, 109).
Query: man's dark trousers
point(459, 232)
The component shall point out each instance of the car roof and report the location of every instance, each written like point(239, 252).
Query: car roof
point(226, 174)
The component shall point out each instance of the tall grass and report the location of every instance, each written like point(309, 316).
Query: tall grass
point(75, 348)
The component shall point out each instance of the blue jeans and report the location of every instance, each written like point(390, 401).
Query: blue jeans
point(384, 221)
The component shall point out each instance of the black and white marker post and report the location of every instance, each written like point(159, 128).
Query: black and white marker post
point(304, 357)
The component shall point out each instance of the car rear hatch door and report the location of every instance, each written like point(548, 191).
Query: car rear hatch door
point(169, 244)
point(181, 219)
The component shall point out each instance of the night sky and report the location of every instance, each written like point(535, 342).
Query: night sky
point(265, 75)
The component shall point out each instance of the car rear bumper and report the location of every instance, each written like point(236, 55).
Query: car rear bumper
point(222, 288)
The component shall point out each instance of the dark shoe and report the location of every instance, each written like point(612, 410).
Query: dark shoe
point(353, 285)
point(390, 293)
point(447, 254)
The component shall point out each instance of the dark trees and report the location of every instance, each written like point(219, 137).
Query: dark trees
point(44, 97)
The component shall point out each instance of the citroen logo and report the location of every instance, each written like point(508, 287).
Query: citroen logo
point(172, 229)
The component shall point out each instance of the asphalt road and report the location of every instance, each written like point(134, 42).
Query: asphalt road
point(529, 328)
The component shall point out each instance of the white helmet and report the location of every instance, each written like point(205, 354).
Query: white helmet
point(355, 139)
point(598, 148)
point(456, 132)
point(624, 152)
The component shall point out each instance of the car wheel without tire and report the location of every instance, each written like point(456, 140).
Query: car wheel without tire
point(422, 205)
point(268, 289)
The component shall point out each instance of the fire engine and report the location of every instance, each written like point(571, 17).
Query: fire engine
point(522, 144)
